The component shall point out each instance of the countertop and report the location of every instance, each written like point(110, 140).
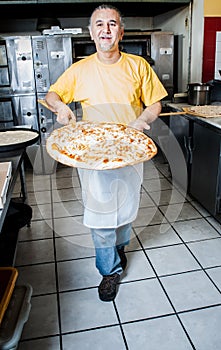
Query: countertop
point(213, 123)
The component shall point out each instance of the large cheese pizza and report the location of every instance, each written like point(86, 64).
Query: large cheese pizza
point(99, 146)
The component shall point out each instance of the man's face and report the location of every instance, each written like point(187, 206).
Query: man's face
point(106, 30)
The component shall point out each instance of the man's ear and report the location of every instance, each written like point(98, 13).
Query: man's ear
point(122, 33)
point(91, 34)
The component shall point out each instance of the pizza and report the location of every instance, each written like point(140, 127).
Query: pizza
point(99, 146)
point(206, 111)
point(12, 137)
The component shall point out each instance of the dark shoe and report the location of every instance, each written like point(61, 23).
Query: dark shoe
point(123, 259)
point(108, 287)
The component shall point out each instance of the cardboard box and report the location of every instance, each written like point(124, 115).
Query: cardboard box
point(5, 175)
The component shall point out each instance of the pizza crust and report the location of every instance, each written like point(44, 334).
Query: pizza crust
point(16, 137)
point(206, 111)
point(99, 146)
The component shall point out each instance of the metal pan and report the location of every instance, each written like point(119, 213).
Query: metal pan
point(20, 145)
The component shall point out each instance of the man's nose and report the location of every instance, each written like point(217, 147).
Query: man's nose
point(107, 28)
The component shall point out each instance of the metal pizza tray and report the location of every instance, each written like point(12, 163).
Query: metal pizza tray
point(20, 145)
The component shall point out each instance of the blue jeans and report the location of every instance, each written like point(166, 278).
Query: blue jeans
point(106, 242)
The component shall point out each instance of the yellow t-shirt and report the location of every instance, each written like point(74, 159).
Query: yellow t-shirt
point(115, 92)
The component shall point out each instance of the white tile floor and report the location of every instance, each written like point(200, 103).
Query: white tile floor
point(169, 296)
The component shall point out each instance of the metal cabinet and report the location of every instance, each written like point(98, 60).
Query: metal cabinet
point(205, 181)
point(179, 145)
point(199, 147)
point(173, 138)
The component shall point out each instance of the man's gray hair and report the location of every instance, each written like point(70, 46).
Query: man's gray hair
point(106, 7)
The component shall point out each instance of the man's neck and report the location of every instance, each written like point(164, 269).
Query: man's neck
point(108, 57)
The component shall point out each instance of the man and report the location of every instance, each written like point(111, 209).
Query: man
point(111, 86)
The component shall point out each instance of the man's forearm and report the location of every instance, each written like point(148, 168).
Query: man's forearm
point(64, 113)
point(53, 100)
point(151, 113)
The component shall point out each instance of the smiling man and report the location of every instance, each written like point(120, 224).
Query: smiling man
point(111, 86)
point(106, 29)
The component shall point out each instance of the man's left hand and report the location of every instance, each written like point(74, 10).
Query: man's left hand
point(139, 124)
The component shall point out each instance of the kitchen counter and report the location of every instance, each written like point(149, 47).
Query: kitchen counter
point(196, 161)
point(213, 123)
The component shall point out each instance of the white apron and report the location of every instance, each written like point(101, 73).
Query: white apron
point(111, 197)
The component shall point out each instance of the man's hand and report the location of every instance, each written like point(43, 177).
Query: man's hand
point(64, 113)
point(139, 124)
point(148, 115)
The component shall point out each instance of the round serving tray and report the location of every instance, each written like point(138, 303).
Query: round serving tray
point(19, 145)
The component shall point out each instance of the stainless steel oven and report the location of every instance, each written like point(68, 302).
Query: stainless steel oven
point(17, 83)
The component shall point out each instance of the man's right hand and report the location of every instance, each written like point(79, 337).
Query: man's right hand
point(64, 114)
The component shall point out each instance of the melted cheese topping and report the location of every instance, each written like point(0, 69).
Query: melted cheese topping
point(99, 145)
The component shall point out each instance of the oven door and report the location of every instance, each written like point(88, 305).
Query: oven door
point(8, 117)
point(4, 69)
point(18, 110)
